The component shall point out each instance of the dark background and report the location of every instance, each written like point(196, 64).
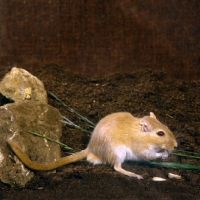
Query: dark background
point(100, 37)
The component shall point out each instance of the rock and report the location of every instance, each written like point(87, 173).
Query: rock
point(19, 84)
point(17, 120)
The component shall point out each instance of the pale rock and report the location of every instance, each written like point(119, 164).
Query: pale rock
point(19, 84)
point(17, 120)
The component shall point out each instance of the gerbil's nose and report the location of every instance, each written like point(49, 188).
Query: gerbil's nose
point(176, 145)
point(172, 144)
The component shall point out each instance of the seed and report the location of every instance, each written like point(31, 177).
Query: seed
point(158, 179)
point(170, 175)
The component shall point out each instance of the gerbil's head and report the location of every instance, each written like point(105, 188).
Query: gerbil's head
point(157, 134)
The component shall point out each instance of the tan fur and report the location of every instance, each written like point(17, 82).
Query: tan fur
point(116, 138)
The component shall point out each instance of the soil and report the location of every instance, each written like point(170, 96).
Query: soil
point(176, 103)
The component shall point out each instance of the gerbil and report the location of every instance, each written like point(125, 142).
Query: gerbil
point(116, 138)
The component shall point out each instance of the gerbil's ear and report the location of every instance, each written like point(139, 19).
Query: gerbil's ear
point(145, 127)
point(152, 115)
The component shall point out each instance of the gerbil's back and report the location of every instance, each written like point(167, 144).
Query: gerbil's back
point(114, 129)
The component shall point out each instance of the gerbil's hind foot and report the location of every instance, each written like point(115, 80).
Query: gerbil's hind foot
point(94, 159)
point(119, 169)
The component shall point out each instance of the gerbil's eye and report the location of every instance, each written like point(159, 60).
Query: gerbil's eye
point(160, 133)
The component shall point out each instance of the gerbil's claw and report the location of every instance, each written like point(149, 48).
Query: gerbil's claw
point(139, 177)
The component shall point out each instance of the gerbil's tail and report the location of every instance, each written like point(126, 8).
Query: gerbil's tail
point(47, 166)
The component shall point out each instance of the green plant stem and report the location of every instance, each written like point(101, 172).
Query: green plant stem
point(176, 165)
point(70, 123)
point(183, 155)
point(48, 138)
point(72, 110)
point(187, 152)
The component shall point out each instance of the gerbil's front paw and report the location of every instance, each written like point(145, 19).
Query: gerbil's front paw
point(165, 155)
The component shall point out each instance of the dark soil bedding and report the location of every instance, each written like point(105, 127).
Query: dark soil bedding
point(175, 103)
